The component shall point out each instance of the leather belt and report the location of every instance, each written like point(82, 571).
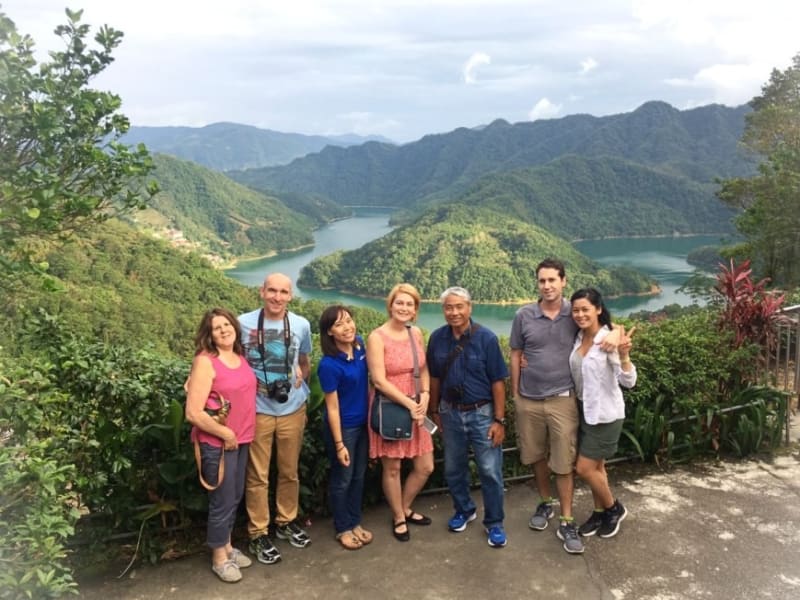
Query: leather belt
point(464, 407)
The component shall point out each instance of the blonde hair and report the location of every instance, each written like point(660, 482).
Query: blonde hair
point(403, 288)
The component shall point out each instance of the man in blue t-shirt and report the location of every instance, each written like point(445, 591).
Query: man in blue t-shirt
point(277, 344)
point(467, 401)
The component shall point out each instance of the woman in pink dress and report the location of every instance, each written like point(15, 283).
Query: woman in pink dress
point(391, 367)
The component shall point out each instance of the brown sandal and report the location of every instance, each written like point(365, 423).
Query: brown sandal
point(349, 540)
point(362, 534)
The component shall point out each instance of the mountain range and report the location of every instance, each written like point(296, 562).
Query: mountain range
point(693, 146)
point(652, 171)
point(223, 146)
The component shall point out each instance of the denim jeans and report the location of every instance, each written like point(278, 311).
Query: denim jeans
point(346, 484)
point(460, 430)
point(223, 502)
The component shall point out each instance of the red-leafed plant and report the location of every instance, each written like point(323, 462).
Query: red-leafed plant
point(749, 309)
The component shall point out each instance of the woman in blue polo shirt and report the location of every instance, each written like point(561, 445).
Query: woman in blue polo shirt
point(343, 376)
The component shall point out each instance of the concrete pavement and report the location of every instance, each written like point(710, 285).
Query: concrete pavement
point(717, 530)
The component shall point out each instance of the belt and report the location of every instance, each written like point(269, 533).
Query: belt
point(565, 394)
point(464, 407)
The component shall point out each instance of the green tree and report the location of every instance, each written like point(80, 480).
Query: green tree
point(61, 162)
point(770, 200)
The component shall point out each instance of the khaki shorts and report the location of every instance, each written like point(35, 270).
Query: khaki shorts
point(548, 429)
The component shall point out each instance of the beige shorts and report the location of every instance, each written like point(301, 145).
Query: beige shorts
point(548, 429)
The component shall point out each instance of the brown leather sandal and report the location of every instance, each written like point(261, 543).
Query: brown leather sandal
point(362, 534)
point(349, 540)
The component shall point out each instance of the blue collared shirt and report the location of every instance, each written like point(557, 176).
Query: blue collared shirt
point(475, 369)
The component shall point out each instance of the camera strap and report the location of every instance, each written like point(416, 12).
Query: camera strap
point(287, 341)
point(416, 361)
point(455, 352)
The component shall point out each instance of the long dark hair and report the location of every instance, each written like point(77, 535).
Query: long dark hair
point(595, 299)
point(327, 320)
point(203, 340)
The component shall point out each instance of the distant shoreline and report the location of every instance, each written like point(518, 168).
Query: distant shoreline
point(654, 291)
point(235, 262)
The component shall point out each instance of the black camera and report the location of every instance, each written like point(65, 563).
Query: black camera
point(279, 390)
point(454, 394)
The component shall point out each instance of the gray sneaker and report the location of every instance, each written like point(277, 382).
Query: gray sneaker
point(264, 551)
point(544, 512)
point(293, 533)
point(568, 534)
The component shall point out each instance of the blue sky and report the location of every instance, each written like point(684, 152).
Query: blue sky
point(405, 68)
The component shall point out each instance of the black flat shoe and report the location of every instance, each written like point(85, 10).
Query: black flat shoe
point(417, 519)
point(400, 536)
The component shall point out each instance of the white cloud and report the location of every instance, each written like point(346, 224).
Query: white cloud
point(544, 109)
point(587, 65)
point(305, 65)
point(725, 84)
point(470, 67)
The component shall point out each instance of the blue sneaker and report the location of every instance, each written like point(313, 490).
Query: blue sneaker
point(459, 521)
point(497, 536)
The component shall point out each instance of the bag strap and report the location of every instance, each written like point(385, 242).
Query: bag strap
point(416, 360)
point(199, 461)
point(454, 353)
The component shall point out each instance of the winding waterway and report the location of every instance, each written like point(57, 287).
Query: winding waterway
point(662, 258)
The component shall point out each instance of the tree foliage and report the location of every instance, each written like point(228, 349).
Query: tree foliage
point(770, 200)
point(217, 214)
point(61, 162)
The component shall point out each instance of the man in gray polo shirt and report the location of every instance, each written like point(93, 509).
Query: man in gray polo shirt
point(542, 337)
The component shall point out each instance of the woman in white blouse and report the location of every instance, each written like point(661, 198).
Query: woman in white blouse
point(597, 376)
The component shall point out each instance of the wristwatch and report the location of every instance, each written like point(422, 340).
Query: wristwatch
point(502, 421)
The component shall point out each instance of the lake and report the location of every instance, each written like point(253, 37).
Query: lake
point(664, 259)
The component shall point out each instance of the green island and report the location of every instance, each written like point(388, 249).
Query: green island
point(490, 253)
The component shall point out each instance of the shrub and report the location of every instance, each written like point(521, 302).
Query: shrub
point(37, 504)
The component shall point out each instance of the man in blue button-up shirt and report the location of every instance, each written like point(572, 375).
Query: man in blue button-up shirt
point(467, 401)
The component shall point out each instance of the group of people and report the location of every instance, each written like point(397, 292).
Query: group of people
point(567, 364)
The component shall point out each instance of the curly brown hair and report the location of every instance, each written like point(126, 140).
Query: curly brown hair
point(203, 340)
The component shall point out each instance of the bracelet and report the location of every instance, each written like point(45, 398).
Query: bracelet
point(339, 442)
point(424, 391)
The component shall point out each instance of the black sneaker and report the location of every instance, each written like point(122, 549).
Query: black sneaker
point(612, 517)
point(293, 534)
point(592, 524)
point(262, 548)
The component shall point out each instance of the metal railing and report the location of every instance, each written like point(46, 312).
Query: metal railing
point(782, 365)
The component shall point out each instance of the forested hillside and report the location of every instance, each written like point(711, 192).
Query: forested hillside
point(698, 145)
point(223, 146)
point(576, 197)
point(492, 255)
point(119, 286)
point(212, 213)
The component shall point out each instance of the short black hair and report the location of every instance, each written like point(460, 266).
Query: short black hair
point(552, 263)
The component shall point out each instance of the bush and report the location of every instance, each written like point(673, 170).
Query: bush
point(37, 505)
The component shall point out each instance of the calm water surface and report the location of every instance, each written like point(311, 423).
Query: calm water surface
point(662, 258)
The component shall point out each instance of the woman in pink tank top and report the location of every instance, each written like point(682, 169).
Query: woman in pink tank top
point(219, 370)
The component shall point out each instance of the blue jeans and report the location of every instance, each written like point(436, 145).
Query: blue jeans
point(460, 430)
point(346, 484)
